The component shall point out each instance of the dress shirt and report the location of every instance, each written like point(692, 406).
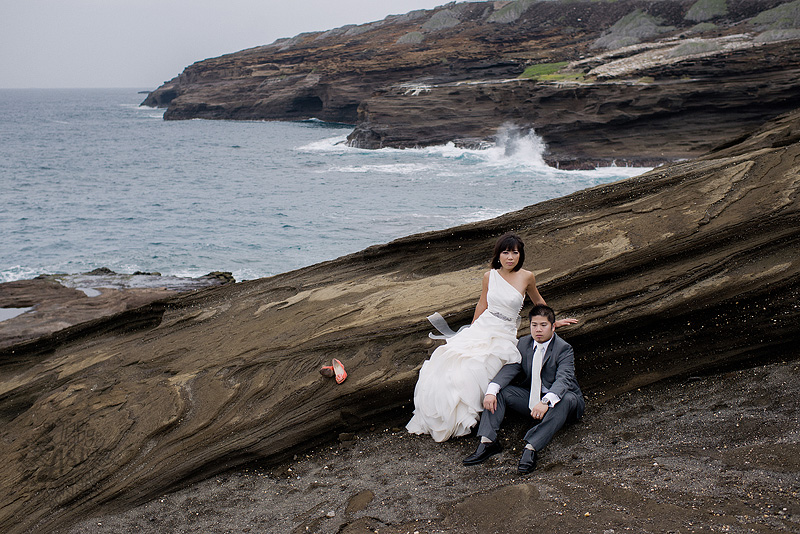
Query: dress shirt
point(493, 388)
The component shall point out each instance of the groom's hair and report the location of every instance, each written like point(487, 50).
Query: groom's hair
point(543, 311)
point(508, 241)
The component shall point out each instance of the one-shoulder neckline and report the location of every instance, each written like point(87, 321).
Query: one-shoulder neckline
point(496, 271)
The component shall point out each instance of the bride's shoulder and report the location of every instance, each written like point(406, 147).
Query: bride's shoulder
point(528, 277)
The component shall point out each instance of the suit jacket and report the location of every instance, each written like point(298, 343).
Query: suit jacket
point(558, 369)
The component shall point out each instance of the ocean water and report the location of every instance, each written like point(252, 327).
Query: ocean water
point(89, 179)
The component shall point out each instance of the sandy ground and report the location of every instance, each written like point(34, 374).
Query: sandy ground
point(706, 454)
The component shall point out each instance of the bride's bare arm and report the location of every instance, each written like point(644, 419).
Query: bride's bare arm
point(564, 322)
point(537, 299)
point(482, 302)
point(532, 292)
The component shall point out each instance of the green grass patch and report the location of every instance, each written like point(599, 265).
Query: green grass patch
point(535, 72)
point(785, 16)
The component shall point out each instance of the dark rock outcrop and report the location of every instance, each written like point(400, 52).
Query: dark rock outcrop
point(58, 308)
point(58, 313)
point(629, 81)
point(717, 453)
point(665, 271)
point(647, 114)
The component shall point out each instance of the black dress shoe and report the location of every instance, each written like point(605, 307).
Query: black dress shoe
point(527, 463)
point(483, 453)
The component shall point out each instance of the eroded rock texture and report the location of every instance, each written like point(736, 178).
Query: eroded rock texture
point(653, 113)
point(629, 81)
point(688, 268)
point(55, 311)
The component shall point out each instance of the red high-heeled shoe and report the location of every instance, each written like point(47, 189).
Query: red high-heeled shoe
point(339, 371)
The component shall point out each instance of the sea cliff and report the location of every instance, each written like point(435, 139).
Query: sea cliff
point(631, 81)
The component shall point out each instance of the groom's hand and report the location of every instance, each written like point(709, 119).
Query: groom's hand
point(490, 403)
point(538, 411)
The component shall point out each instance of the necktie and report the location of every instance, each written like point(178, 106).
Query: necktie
point(536, 377)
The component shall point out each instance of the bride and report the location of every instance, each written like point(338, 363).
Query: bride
point(451, 385)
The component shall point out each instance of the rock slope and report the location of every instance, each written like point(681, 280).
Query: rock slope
point(687, 269)
point(717, 453)
point(56, 308)
point(636, 81)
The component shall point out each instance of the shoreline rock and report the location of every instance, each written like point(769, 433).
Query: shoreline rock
point(686, 270)
point(652, 115)
point(59, 306)
point(631, 81)
point(710, 453)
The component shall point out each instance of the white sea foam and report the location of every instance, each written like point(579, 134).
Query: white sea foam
point(387, 168)
point(337, 144)
point(516, 152)
point(17, 272)
point(518, 148)
point(614, 171)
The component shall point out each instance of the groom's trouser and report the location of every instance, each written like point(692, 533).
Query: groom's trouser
point(516, 399)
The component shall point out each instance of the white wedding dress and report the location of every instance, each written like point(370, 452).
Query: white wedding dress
point(451, 385)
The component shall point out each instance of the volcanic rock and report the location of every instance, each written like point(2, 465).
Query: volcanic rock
point(58, 313)
point(716, 453)
point(645, 110)
point(57, 308)
point(688, 269)
point(631, 81)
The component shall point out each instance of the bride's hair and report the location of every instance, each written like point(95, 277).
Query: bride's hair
point(508, 241)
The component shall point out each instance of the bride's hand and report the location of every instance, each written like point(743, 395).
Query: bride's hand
point(564, 322)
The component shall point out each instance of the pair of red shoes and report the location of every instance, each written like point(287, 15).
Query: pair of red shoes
point(336, 370)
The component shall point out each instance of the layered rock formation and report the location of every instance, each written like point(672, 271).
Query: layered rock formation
point(642, 112)
point(718, 453)
point(53, 309)
point(689, 268)
point(633, 81)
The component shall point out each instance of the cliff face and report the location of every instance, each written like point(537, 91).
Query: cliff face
point(691, 268)
point(651, 114)
point(631, 81)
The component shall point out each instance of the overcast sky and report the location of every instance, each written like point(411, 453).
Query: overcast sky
point(142, 43)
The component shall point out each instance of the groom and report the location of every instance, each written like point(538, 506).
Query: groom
point(549, 394)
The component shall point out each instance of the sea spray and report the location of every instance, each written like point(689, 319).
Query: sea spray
point(515, 145)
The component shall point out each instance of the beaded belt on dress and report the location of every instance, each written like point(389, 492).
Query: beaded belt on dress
point(501, 316)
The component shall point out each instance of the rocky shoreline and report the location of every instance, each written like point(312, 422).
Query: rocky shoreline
point(689, 270)
point(714, 453)
point(50, 309)
point(204, 410)
point(629, 82)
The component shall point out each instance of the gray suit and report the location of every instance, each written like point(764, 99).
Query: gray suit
point(558, 376)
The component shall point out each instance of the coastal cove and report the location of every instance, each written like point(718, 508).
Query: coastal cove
point(178, 266)
point(91, 180)
point(686, 271)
